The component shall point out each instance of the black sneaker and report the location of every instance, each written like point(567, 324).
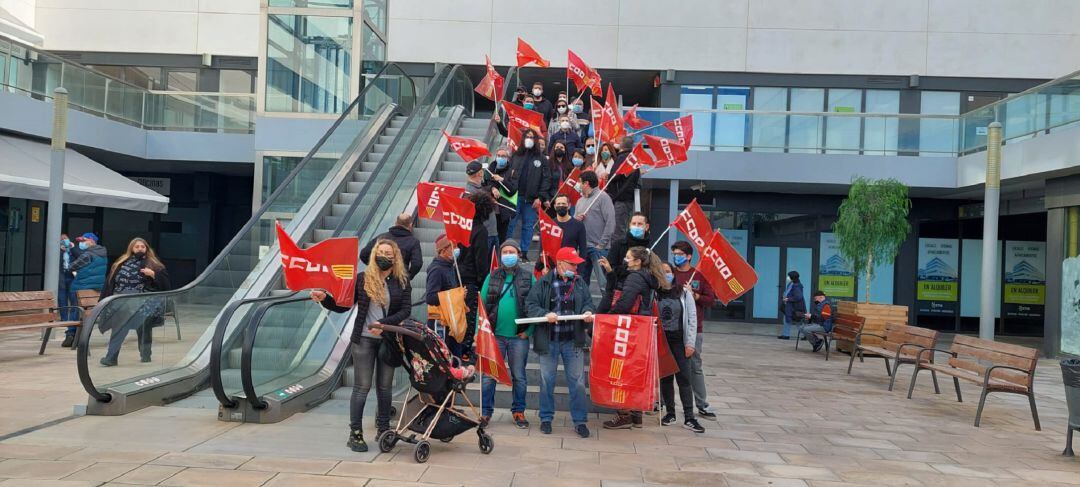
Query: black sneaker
point(520, 421)
point(107, 362)
point(668, 419)
point(782, 337)
point(545, 427)
point(817, 346)
point(69, 341)
point(705, 413)
point(582, 431)
point(692, 425)
point(356, 441)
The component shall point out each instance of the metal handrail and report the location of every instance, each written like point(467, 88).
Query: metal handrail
point(215, 347)
point(87, 328)
point(250, 332)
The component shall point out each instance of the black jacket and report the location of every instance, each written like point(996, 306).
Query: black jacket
point(160, 281)
point(639, 283)
point(621, 187)
point(409, 245)
point(533, 178)
point(545, 108)
point(508, 185)
point(440, 277)
point(574, 236)
point(475, 260)
point(617, 253)
point(397, 312)
point(522, 285)
point(541, 302)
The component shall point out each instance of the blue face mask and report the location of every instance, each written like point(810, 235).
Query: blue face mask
point(500, 162)
point(590, 150)
point(509, 260)
point(637, 232)
point(457, 253)
point(577, 108)
point(670, 277)
point(66, 242)
point(530, 106)
point(569, 274)
point(578, 162)
point(680, 260)
point(83, 246)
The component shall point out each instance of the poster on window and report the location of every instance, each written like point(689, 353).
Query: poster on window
point(937, 287)
point(1024, 277)
point(835, 276)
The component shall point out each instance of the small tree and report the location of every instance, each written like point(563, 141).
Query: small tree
point(872, 224)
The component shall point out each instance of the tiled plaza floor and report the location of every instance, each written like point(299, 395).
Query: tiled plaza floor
point(786, 418)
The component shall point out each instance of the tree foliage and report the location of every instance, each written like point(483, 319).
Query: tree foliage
point(872, 224)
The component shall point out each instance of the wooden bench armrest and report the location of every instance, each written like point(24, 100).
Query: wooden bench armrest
point(76, 308)
point(919, 359)
point(986, 375)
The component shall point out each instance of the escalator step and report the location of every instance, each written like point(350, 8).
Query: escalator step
point(347, 198)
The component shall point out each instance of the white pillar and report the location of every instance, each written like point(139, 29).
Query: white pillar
point(991, 202)
point(56, 190)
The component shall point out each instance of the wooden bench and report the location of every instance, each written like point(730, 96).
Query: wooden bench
point(901, 343)
point(997, 367)
point(33, 310)
point(845, 328)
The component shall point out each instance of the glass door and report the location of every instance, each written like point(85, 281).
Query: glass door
point(800, 260)
point(768, 288)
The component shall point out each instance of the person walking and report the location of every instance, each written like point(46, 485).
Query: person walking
point(504, 292)
point(678, 318)
point(597, 213)
point(562, 292)
point(402, 234)
point(138, 270)
point(794, 304)
point(704, 297)
point(89, 269)
point(381, 298)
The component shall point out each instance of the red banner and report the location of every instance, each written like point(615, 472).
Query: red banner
point(569, 186)
point(550, 235)
point(468, 149)
point(513, 137)
point(668, 152)
point(637, 158)
point(329, 265)
point(523, 117)
point(428, 196)
point(583, 76)
point(635, 122)
point(727, 272)
point(611, 120)
point(491, 86)
point(457, 215)
point(623, 363)
point(487, 349)
point(526, 55)
point(683, 128)
point(693, 223)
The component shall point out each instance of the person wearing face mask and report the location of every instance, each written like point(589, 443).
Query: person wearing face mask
point(402, 234)
point(577, 107)
point(561, 164)
point(504, 179)
point(573, 230)
point(604, 162)
point(64, 296)
point(563, 131)
point(137, 271)
point(819, 320)
point(474, 262)
point(559, 293)
point(89, 268)
point(441, 276)
point(793, 303)
point(678, 319)
point(504, 293)
point(597, 214)
point(621, 188)
point(541, 104)
point(477, 183)
point(563, 110)
point(534, 178)
point(682, 253)
point(381, 297)
point(614, 265)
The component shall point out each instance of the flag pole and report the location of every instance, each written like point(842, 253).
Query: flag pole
point(661, 237)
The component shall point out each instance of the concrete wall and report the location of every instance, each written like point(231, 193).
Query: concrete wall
point(23, 10)
point(977, 38)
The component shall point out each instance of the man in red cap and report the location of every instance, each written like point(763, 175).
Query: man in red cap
point(562, 292)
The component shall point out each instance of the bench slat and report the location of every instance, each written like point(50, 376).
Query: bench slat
point(993, 356)
point(25, 296)
point(27, 305)
point(998, 347)
point(26, 319)
point(38, 326)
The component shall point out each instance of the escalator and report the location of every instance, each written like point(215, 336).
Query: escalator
point(292, 353)
point(313, 201)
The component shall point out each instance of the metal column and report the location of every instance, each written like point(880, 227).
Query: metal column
point(991, 204)
point(56, 190)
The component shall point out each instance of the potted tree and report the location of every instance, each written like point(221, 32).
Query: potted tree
point(871, 225)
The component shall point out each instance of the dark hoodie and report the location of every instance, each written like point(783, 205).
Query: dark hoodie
point(409, 245)
point(440, 277)
point(618, 252)
point(638, 284)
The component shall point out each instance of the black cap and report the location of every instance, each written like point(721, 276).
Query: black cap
point(473, 168)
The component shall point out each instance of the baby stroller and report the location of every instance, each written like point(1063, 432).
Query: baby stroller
point(437, 379)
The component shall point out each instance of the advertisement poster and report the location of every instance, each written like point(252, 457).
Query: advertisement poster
point(1024, 279)
point(936, 291)
point(834, 271)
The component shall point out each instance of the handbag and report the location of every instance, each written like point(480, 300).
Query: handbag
point(453, 310)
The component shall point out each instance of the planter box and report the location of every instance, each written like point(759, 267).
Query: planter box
point(876, 315)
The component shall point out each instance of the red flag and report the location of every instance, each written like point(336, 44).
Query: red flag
point(596, 111)
point(583, 76)
point(494, 260)
point(668, 152)
point(693, 223)
point(623, 362)
point(523, 117)
point(665, 360)
point(683, 128)
point(491, 86)
point(457, 215)
point(468, 149)
point(635, 122)
point(637, 158)
point(487, 349)
point(513, 137)
point(428, 196)
point(594, 81)
point(550, 235)
point(569, 186)
point(328, 265)
point(526, 54)
point(611, 121)
point(727, 272)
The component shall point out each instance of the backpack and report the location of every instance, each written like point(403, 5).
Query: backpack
point(670, 313)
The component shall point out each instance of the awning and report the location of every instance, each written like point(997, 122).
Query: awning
point(24, 173)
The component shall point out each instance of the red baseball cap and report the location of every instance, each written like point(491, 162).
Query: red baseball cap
point(569, 254)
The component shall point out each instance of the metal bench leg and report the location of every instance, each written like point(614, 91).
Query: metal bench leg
point(933, 375)
point(888, 370)
point(1034, 411)
point(978, 412)
point(911, 387)
point(956, 383)
point(1068, 443)
point(826, 349)
point(892, 380)
point(852, 359)
point(45, 341)
point(798, 336)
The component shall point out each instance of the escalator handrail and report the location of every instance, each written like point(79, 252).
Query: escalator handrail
point(249, 345)
point(216, 345)
point(83, 344)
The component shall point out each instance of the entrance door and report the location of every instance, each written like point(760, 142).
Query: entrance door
point(767, 290)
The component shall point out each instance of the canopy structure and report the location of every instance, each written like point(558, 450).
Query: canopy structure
point(24, 173)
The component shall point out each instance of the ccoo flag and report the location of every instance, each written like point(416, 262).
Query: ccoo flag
point(693, 223)
point(683, 128)
point(487, 349)
point(468, 149)
point(328, 265)
point(491, 86)
point(727, 272)
point(668, 152)
point(428, 196)
point(526, 55)
point(633, 120)
point(457, 213)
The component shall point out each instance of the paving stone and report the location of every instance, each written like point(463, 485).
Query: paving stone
point(1047, 475)
point(102, 472)
point(739, 480)
point(746, 456)
point(382, 471)
point(871, 477)
point(798, 472)
point(39, 469)
point(289, 465)
point(48, 483)
point(398, 483)
point(688, 478)
point(581, 470)
point(981, 472)
point(654, 460)
point(675, 450)
point(769, 446)
point(149, 474)
point(610, 446)
point(203, 460)
point(862, 443)
point(114, 456)
point(212, 477)
point(717, 466)
point(36, 452)
point(305, 480)
point(467, 476)
point(537, 480)
point(562, 455)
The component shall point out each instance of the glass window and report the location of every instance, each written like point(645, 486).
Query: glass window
point(182, 81)
point(729, 133)
point(277, 168)
point(376, 11)
point(698, 98)
point(374, 52)
point(312, 3)
point(236, 81)
point(307, 63)
point(769, 130)
point(804, 132)
point(938, 137)
point(842, 134)
point(881, 133)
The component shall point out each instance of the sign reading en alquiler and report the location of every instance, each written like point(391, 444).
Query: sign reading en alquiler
point(937, 288)
point(1024, 276)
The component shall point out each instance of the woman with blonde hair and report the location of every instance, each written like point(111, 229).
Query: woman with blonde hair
point(382, 298)
point(138, 270)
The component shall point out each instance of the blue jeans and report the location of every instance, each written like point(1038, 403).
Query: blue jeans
point(515, 352)
point(592, 255)
point(526, 216)
point(137, 322)
point(573, 364)
point(787, 326)
point(66, 297)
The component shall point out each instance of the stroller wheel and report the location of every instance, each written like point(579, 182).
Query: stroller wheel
point(448, 439)
point(387, 440)
point(487, 443)
point(423, 449)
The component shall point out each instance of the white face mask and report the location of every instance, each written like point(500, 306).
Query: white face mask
point(529, 143)
point(564, 125)
point(537, 92)
point(562, 109)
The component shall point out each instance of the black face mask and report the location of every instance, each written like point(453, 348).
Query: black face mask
point(561, 210)
point(139, 255)
point(384, 263)
point(560, 152)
